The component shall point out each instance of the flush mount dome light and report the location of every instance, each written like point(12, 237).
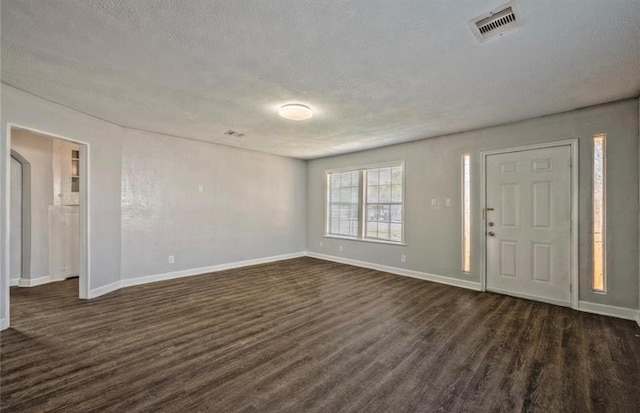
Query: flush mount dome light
point(295, 111)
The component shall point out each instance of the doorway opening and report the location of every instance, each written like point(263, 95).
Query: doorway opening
point(48, 204)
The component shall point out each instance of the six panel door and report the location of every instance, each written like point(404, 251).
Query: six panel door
point(528, 224)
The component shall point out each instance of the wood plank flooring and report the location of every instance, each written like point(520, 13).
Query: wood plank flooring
point(306, 335)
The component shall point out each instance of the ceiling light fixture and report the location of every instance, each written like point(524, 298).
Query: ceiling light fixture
point(295, 111)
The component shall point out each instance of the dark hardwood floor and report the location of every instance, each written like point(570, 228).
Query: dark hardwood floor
point(306, 335)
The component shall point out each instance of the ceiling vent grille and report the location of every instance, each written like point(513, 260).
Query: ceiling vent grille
point(496, 22)
point(234, 133)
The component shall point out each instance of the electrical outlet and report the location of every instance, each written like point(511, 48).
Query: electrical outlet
point(403, 258)
point(172, 259)
point(341, 249)
point(200, 188)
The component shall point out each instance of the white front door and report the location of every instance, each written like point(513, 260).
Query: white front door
point(528, 224)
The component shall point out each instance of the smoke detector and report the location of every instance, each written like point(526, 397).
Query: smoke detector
point(496, 22)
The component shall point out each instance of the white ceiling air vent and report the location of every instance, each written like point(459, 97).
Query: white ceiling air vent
point(234, 133)
point(496, 22)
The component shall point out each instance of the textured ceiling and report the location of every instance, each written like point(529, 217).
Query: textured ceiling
point(376, 72)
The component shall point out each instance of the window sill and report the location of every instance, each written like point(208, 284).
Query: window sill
point(372, 241)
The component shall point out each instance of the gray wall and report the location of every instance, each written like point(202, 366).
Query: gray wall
point(252, 205)
point(145, 203)
point(433, 170)
point(105, 143)
point(39, 152)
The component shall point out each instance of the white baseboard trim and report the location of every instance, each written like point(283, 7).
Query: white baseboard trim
point(14, 282)
point(129, 282)
point(471, 285)
point(33, 282)
point(4, 324)
point(609, 310)
point(105, 289)
point(602, 309)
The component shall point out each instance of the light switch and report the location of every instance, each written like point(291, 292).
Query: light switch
point(434, 203)
point(447, 202)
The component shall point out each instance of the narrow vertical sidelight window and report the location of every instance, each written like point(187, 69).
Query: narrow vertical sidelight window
point(599, 214)
point(466, 212)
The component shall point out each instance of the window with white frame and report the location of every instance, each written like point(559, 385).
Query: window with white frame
point(383, 203)
point(367, 203)
point(344, 201)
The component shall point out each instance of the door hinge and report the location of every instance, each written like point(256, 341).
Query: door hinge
point(570, 162)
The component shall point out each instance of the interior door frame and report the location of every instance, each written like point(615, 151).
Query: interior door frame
point(85, 229)
point(575, 189)
point(25, 215)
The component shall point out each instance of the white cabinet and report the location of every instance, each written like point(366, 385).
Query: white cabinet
point(64, 242)
point(66, 173)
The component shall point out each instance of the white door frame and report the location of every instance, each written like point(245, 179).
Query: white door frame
point(573, 144)
point(25, 213)
point(85, 246)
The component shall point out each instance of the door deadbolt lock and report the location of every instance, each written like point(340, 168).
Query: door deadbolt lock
point(491, 224)
point(491, 234)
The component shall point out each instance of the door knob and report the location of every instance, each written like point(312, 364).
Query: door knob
point(491, 234)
